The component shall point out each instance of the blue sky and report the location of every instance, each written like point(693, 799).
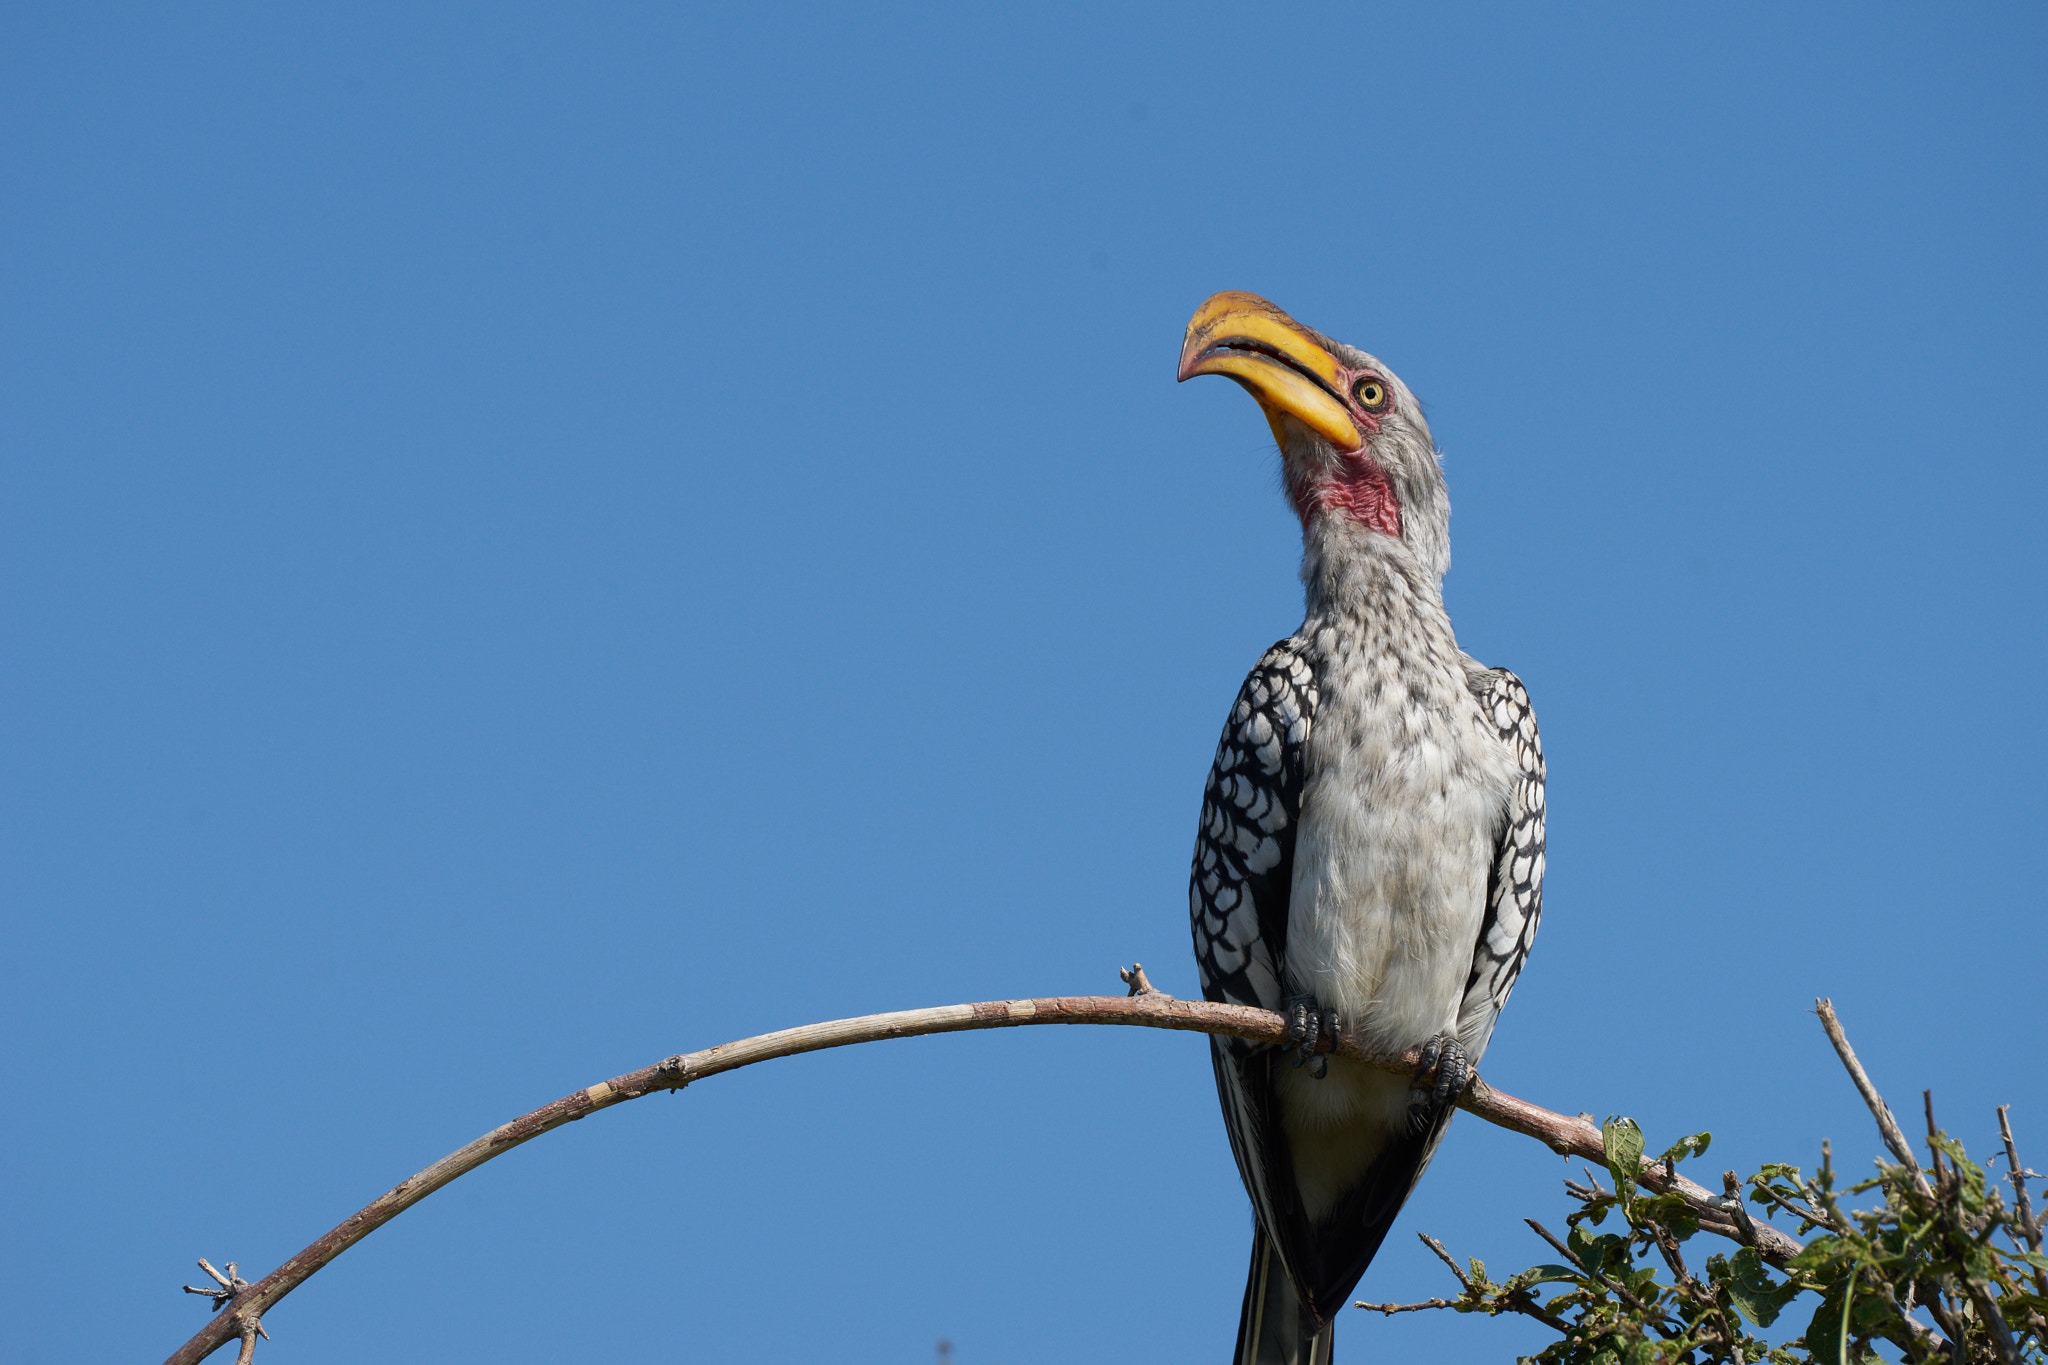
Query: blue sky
point(541, 537)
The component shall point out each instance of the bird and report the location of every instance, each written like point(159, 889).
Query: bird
point(1369, 860)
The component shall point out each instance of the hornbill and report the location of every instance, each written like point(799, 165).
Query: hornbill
point(1370, 856)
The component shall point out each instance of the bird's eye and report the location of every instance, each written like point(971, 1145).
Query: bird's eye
point(1370, 393)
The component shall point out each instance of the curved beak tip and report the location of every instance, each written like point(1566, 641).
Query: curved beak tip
point(1274, 357)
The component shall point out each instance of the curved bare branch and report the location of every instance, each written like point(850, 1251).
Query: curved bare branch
point(1144, 1008)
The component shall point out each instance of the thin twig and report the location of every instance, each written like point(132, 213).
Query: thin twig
point(1667, 1247)
point(1442, 1255)
point(1951, 1326)
point(1392, 1308)
point(230, 1284)
point(1134, 977)
point(1979, 1293)
point(1887, 1126)
point(1731, 1189)
point(1601, 1278)
point(1804, 1212)
point(1523, 1302)
point(1592, 1189)
point(247, 1325)
point(1933, 1151)
point(1993, 1322)
point(1925, 1343)
point(1567, 1135)
point(2029, 1226)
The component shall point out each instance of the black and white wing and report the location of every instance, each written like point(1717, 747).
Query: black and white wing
point(1237, 903)
point(1244, 850)
point(1514, 891)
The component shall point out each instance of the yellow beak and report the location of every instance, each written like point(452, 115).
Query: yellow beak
point(1274, 357)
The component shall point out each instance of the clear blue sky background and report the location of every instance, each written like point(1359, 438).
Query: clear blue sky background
point(536, 538)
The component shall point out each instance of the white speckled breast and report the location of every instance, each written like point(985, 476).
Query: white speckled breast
point(1403, 799)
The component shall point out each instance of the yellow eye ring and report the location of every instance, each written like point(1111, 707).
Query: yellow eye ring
point(1370, 393)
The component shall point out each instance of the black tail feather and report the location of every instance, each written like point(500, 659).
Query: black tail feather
point(1273, 1329)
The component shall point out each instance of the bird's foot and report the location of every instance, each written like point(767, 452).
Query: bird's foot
point(1311, 1029)
point(1439, 1082)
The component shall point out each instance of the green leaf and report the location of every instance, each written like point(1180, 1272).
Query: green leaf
point(1622, 1141)
point(1692, 1145)
point(1826, 1333)
point(1830, 1336)
point(1750, 1287)
point(1596, 1252)
point(1549, 1274)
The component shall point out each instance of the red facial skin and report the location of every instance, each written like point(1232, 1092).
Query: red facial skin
point(1360, 490)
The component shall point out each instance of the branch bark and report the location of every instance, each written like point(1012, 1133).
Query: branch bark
point(1887, 1126)
point(1144, 1008)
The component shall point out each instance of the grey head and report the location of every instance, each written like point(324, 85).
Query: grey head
point(1359, 464)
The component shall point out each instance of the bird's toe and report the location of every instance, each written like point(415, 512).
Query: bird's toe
point(1311, 1030)
point(1453, 1073)
point(1440, 1080)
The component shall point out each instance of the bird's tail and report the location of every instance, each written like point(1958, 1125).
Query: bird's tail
point(1272, 1329)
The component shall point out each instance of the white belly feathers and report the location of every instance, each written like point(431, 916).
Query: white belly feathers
point(1405, 790)
point(1404, 796)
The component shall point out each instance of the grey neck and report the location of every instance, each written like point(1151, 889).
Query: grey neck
point(1349, 571)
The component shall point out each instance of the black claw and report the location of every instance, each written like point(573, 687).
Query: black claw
point(1311, 1030)
point(1299, 1039)
point(1431, 1050)
point(1448, 1070)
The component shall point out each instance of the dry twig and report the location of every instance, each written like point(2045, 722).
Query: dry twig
point(1656, 1317)
point(1887, 1126)
point(1145, 1007)
point(2029, 1225)
point(1392, 1308)
point(1979, 1293)
point(247, 1323)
